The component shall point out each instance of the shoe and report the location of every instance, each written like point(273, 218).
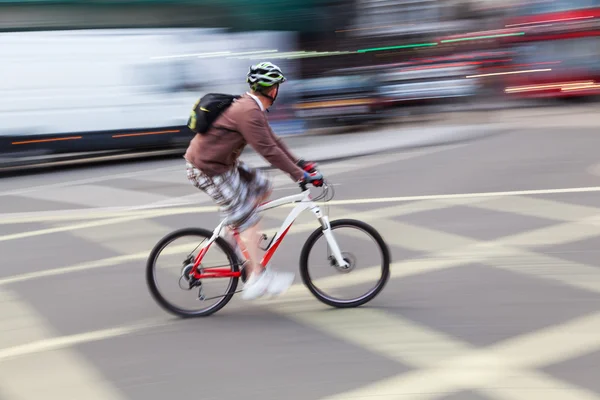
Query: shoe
point(257, 285)
point(280, 282)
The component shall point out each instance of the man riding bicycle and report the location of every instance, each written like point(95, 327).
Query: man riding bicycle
point(213, 166)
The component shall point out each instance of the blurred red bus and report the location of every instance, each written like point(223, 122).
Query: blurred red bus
point(556, 49)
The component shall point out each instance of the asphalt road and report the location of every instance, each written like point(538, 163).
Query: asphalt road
point(492, 296)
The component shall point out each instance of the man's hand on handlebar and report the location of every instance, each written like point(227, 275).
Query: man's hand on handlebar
point(316, 178)
point(311, 175)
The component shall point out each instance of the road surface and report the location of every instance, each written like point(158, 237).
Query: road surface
point(494, 294)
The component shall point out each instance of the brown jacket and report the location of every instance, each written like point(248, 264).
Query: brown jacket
point(216, 151)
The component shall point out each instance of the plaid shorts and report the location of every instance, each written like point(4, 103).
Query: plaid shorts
point(237, 192)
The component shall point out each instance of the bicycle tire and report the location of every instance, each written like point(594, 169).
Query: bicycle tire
point(385, 267)
point(153, 287)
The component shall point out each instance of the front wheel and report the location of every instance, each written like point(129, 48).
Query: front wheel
point(353, 237)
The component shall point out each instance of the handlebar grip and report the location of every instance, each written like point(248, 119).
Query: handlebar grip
point(316, 183)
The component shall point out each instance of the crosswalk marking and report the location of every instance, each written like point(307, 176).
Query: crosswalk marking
point(71, 227)
point(88, 192)
point(53, 375)
point(449, 365)
point(454, 250)
point(446, 365)
point(545, 267)
point(140, 236)
point(539, 207)
point(555, 234)
point(552, 345)
point(85, 181)
point(90, 265)
point(162, 206)
point(535, 385)
point(377, 331)
point(97, 196)
point(135, 214)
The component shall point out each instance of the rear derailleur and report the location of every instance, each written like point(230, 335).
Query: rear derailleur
point(192, 281)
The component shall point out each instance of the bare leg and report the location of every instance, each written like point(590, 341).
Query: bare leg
point(251, 239)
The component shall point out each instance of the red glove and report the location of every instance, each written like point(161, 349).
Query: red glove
point(307, 166)
point(316, 178)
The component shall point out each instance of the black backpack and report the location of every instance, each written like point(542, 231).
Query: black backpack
point(207, 109)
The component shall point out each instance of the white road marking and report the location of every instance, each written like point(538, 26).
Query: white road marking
point(139, 237)
point(27, 349)
point(73, 227)
point(543, 266)
point(98, 196)
point(452, 250)
point(103, 263)
point(535, 385)
point(75, 215)
point(180, 167)
point(87, 181)
point(111, 212)
point(458, 374)
point(141, 214)
point(557, 234)
point(466, 195)
point(62, 342)
point(538, 207)
point(120, 218)
point(454, 366)
point(165, 210)
point(448, 365)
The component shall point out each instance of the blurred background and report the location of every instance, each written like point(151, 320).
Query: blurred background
point(466, 132)
point(112, 75)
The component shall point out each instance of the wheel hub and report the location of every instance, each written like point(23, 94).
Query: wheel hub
point(348, 258)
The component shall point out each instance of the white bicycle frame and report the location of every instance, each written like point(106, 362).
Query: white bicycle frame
point(303, 202)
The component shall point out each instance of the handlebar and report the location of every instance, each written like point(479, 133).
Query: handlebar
point(308, 167)
point(303, 185)
point(328, 191)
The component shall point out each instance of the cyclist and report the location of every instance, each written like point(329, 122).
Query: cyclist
point(213, 166)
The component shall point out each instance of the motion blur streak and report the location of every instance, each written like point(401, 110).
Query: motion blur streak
point(465, 132)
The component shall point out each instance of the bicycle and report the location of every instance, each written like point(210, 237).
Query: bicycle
point(193, 273)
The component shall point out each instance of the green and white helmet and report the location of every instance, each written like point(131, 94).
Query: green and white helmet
point(264, 75)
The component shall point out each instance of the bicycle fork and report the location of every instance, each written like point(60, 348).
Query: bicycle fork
point(326, 227)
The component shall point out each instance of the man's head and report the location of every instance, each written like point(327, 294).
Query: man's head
point(264, 80)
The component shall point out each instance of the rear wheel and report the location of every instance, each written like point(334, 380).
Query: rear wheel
point(183, 261)
point(362, 235)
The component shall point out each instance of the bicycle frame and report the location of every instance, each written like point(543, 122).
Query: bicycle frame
point(303, 202)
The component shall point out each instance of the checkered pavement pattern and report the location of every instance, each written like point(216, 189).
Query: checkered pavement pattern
point(515, 282)
point(490, 297)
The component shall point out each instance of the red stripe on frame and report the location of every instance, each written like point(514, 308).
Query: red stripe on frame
point(273, 248)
